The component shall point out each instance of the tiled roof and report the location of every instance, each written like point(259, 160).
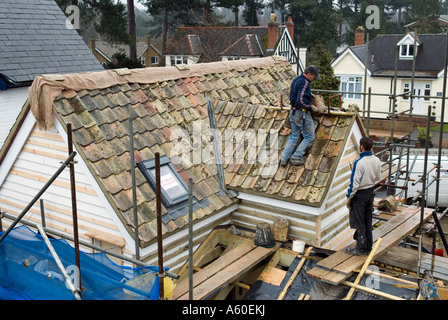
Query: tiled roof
point(247, 45)
point(257, 171)
point(34, 40)
point(163, 110)
point(188, 45)
point(217, 39)
point(429, 61)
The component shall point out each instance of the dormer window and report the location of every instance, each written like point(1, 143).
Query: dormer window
point(407, 47)
point(407, 51)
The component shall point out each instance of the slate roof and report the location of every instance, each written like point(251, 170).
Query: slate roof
point(34, 40)
point(429, 62)
point(99, 119)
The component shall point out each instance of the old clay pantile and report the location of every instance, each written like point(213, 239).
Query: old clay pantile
point(170, 117)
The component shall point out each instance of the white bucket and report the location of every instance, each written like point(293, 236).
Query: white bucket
point(298, 246)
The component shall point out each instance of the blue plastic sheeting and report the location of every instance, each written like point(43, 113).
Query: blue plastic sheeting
point(28, 271)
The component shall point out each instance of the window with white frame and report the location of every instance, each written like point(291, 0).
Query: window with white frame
point(155, 60)
point(407, 88)
point(417, 90)
point(178, 60)
point(427, 91)
point(352, 85)
point(407, 51)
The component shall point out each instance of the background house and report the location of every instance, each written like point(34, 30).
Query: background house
point(187, 50)
point(169, 106)
point(230, 43)
point(34, 40)
point(148, 53)
point(380, 62)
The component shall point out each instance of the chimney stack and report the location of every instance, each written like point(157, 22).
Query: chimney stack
point(272, 31)
point(360, 35)
point(290, 26)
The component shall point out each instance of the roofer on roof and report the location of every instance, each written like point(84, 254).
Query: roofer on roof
point(300, 117)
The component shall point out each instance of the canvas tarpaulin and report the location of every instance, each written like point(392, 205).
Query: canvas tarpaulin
point(45, 88)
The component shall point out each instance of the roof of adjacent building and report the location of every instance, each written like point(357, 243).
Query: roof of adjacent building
point(109, 49)
point(34, 40)
point(188, 45)
point(429, 62)
point(170, 109)
point(247, 46)
point(215, 40)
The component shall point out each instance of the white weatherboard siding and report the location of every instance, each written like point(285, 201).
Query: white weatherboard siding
point(36, 155)
point(36, 162)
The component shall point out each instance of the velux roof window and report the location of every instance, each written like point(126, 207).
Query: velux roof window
point(174, 190)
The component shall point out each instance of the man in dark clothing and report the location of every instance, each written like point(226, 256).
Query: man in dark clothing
point(366, 174)
point(300, 117)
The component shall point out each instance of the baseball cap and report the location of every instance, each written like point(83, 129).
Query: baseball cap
point(313, 70)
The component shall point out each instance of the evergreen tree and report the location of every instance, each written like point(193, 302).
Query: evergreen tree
point(234, 5)
point(251, 9)
point(121, 60)
point(321, 58)
point(107, 17)
point(181, 10)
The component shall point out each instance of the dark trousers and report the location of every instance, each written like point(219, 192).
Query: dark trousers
point(360, 218)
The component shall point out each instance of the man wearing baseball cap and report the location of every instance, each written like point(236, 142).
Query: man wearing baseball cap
point(300, 117)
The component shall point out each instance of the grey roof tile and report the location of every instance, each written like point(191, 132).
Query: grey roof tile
point(36, 31)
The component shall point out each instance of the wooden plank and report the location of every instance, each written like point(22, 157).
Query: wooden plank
point(229, 274)
point(272, 275)
point(389, 239)
point(340, 265)
point(405, 258)
point(216, 266)
point(364, 268)
point(340, 256)
point(294, 275)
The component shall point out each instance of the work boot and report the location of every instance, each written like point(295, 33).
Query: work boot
point(298, 162)
point(356, 252)
point(283, 163)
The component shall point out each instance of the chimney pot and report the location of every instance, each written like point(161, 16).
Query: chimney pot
point(360, 35)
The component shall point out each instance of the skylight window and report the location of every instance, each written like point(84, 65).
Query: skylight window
point(173, 188)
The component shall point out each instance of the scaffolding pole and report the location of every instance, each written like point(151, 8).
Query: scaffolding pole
point(68, 281)
point(38, 195)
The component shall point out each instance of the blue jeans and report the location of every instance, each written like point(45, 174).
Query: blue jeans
point(301, 122)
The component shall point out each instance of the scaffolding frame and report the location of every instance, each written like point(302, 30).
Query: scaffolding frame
point(405, 142)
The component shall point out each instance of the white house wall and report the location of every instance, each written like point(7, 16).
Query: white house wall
point(37, 161)
point(11, 102)
point(348, 65)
